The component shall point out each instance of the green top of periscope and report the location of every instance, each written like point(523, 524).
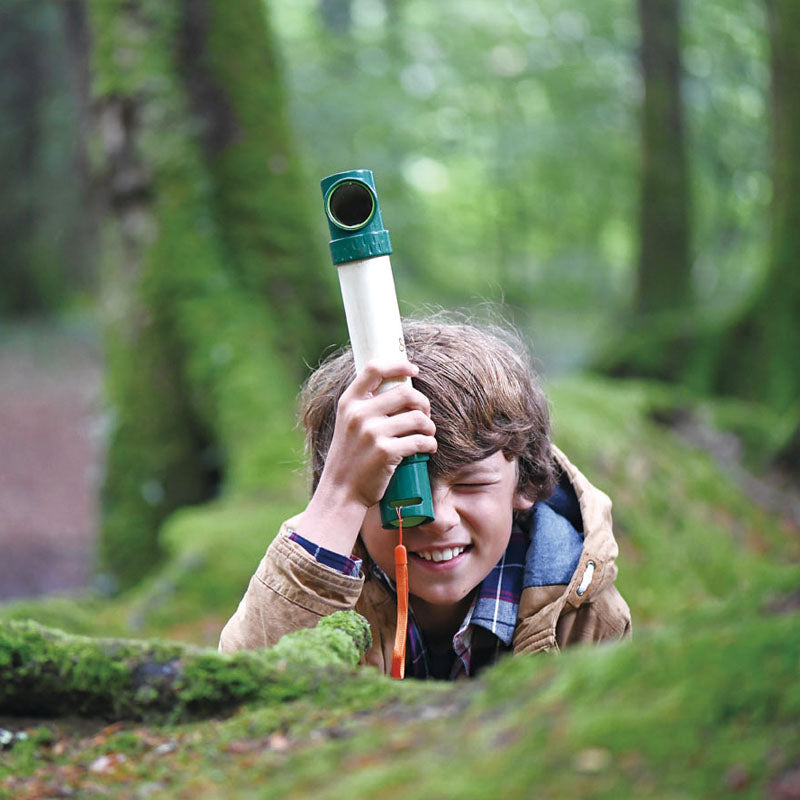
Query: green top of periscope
point(354, 216)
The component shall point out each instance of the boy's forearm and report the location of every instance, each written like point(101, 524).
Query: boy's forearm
point(330, 520)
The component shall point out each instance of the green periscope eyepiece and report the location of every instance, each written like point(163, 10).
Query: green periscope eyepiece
point(360, 248)
point(354, 217)
point(410, 490)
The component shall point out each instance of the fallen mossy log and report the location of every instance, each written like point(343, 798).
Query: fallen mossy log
point(45, 672)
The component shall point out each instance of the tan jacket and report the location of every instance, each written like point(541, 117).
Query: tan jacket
point(291, 590)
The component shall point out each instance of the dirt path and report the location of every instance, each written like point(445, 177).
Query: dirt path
point(51, 444)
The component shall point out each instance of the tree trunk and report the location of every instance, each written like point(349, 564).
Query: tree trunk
point(229, 67)
point(48, 673)
point(214, 281)
point(659, 332)
point(45, 230)
point(664, 270)
point(23, 42)
point(759, 355)
point(81, 235)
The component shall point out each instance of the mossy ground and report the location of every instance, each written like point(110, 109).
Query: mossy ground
point(703, 702)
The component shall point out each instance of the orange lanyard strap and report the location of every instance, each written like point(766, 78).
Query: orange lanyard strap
point(401, 579)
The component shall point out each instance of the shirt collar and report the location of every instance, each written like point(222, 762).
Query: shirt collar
point(497, 602)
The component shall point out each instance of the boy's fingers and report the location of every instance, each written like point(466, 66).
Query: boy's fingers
point(418, 443)
point(394, 450)
point(399, 399)
point(376, 372)
point(407, 424)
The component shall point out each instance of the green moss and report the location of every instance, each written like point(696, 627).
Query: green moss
point(44, 671)
point(213, 551)
point(353, 626)
point(78, 615)
point(663, 716)
point(687, 533)
point(343, 633)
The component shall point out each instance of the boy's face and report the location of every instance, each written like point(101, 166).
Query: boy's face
point(450, 556)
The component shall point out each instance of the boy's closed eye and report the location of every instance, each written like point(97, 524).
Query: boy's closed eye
point(474, 479)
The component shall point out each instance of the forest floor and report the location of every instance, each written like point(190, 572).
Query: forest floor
point(52, 432)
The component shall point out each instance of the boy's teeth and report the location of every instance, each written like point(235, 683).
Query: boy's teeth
point(442, 555)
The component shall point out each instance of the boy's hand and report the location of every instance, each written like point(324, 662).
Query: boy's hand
point(374, 431)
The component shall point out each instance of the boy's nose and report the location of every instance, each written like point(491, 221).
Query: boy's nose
point(444, 510)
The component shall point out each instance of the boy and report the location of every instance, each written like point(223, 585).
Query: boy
point(520, 556)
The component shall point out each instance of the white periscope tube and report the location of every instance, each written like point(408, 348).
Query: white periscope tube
point(373, 316)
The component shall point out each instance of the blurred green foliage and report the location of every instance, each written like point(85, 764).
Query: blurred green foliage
point(505, 142)
point(504, 138)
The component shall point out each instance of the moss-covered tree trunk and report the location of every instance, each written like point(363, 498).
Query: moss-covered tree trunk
point(46, 672)
point(664, 269)
point(758, 356)
point(215, 285)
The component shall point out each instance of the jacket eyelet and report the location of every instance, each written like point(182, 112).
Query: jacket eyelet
point(586, 579)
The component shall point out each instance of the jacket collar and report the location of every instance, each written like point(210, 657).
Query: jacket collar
point(542, 605)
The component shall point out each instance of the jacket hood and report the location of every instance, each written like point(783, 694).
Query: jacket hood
point(571, 526)
point(600, 548)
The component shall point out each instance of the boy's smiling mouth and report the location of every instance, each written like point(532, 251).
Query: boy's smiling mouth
point(441, 554)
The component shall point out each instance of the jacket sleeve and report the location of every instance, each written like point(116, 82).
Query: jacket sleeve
point(290, 590)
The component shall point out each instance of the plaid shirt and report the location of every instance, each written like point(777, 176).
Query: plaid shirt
point(488, 627)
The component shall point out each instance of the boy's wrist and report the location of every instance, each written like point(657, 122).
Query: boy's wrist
point(331, 520)
point(344, 565)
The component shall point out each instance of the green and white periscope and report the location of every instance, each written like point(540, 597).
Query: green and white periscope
point(360, 248)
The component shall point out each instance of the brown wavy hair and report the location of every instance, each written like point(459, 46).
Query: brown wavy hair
point(484, 393)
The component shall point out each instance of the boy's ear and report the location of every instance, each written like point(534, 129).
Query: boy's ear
point(522, 502)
